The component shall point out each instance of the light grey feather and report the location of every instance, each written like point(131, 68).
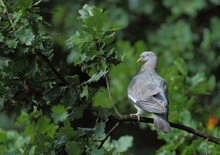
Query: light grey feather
point(161, 123)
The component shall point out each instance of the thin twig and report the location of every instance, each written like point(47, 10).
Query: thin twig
point(81, 136)
point(8, 16)
point(206, 147)
point(46, 80)
point(44, 57)
point(127, 118)
point(110, 97)
point(36, 3)
point(108, 134)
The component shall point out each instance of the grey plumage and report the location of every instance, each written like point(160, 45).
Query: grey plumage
point(148, 92)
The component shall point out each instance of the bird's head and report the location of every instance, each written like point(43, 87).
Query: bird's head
point(147, 56)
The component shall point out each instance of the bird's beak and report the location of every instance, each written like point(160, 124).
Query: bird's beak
point(140, 59)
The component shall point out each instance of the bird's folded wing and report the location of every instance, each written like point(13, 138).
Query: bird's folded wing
point(151, 105)
point(140, 87)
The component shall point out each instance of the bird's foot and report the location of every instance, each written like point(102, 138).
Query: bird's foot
point(136, 115)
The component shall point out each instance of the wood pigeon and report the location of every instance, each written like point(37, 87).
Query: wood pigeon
point(148, 92)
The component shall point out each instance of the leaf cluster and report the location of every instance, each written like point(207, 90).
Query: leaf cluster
point(92, 46)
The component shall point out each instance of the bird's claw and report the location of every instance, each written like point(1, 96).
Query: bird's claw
point(136, 115)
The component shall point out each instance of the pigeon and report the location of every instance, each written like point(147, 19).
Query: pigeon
point(148, 92)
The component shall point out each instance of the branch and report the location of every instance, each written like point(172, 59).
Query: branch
point(8, 16)
point(44, 57)
point(108, 134)
point(46, 80)
point(110, 97)
point(126, 118)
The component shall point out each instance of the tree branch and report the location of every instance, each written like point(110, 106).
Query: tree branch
point(44, 57)
point(46, 80)
point(8, 16)
point(126, 118)
point(108, 134)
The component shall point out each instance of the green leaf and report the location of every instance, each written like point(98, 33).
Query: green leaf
point(97, 151)
point(59, 113)
point(24, 3)
point(1, 37)
point(41, 141)
point(12, 43)
point(96, 20)
point(101, 99)
point(140, 46)
point(124, 142)
point(26, 36)
point(216, 2)
point(190, 149)
point(104, 113)
point(2, 98)
point(78, 40)
point(11, 151)
point(185, 7)
point(74, 148)
point(86, 11)
point(51, 94)
point(109, 38)
point(3, 148)
point(186, 116)
point(85, 92)
point(23, 118)
point(215, 34)
point(121, 145)
point(206, 39)
point(72, 79)
point(196, 79)
point(181, 66)
point(78, 111)
point(202, 86)
point(45, 126)
point(69, 96)
point(99, 130)
point(3, 135)
point(66, 130)
point(97, 76)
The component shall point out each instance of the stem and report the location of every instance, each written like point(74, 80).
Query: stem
point(44, 57)
point(109, 94)
point(206, 147)
point(8, 16)
point(108, 134)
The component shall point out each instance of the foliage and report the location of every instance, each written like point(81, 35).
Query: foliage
point(94, 41)
point(53, 102)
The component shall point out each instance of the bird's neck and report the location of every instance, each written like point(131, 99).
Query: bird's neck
point(152, 65)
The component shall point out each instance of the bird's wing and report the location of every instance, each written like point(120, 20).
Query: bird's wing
point(139, 88)
point(162, 94)
point(151, 105)
point(141, 91)
point(149, 91)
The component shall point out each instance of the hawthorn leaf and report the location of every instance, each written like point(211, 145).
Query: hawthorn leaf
point(26, 36)
point(99, 130)
point(97, 76)
point(74, 148)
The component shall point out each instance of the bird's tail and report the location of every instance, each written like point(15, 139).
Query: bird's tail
point(161, 123)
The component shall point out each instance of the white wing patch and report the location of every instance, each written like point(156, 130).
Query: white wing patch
point(130, 97)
